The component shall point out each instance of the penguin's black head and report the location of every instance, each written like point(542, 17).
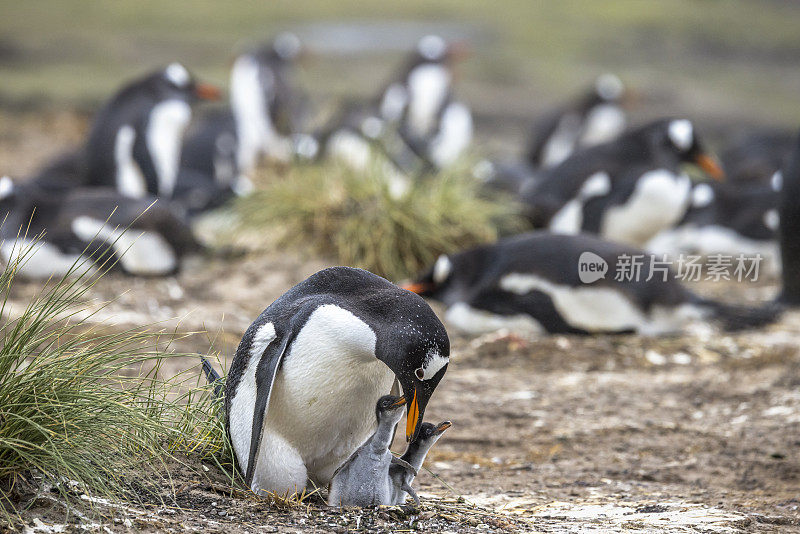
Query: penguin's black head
point(284, 49)
point(609, 88)
point(175, 82)
point(678, 137)
point(434, 49)
point(417, 350)
point(431, 433)
point(430, 282)
point(388, 405)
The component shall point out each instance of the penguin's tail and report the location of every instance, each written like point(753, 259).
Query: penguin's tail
point(735, 317)
point(213, 377)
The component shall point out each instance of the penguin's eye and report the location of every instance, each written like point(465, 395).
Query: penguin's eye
point(420, 373)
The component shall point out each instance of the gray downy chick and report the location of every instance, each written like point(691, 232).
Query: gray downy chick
point(414, 456)
point(363, 480)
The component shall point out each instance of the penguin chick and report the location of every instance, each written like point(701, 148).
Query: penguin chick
point(415, 455)
point(363, 480)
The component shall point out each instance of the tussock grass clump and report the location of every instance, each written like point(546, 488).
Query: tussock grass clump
point(356, 220)
point(80, 406)
point(200, 427)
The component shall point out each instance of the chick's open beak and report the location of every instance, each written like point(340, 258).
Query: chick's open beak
point(710, 166)
point(412, 418)
point(399, 402)
point(444, 425)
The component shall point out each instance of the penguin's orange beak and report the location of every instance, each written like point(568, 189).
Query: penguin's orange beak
point(412, 419)
point(417, 287)
point(206, 91)
point(444, 425)
point(710, 166)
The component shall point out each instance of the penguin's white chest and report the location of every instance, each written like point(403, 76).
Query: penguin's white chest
point(167, 123)
point(323, 399)
point(658, 202)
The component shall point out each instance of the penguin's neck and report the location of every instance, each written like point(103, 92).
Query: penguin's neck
point(416, 452)
point(382, 438)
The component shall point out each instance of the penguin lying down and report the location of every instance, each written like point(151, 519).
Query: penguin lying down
point(372, 475)
point(532, 283)
point(83, 228)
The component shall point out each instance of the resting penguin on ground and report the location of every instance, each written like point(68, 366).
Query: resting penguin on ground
point(90, 224)
point(595, 118)
point(414, 456)
point(531, 283)
point(135, 141)
point(629, 189)
point(301, 392)
point(726, 219)
point(420, 102)
point(363, 479)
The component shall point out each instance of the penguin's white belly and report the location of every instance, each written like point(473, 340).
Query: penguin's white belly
point(323, 399)
point(659, 200)
point(713, 239)
point(601, 309)
point(167, 122)
point(604, 123)
point(455, 135)
point(562, 141)
point(41, 260)
point(474, 321)
point(139, 253)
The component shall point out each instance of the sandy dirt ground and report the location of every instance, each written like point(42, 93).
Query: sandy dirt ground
point(693, 433)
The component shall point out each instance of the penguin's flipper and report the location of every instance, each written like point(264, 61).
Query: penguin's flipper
point(408, 489)
point(212, 376)
point(404, 465)
point(266, 372)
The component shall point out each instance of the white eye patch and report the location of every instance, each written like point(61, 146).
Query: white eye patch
point(681, 134)
point(177, 74)
point(442, 269)
point(433, 364)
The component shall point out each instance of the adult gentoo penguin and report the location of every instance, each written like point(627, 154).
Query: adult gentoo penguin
point(626, 190)
point(135, 141)
point(265, 101)
point(596, 117)
point(224, 146)
point(545, 282)
point(301, 392)
point(62, 232)
point(436, 126)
